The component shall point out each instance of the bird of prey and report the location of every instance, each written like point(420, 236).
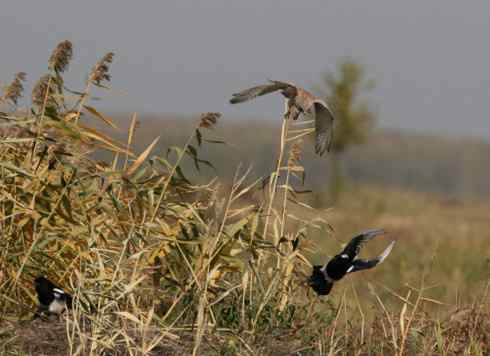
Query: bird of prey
point(52, 299)
point(323, 277)
point(298, 101)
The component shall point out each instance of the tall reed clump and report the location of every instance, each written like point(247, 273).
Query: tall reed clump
point(160, 260)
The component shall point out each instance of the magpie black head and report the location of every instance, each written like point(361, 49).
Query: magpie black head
point(51, 298)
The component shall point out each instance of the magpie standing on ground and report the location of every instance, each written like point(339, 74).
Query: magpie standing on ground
point(323, 277)
point(52, 299)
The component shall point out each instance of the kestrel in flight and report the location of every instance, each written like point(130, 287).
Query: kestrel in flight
point(298, 101)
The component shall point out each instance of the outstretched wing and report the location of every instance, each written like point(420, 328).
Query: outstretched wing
point(360, 264)
point(251, 93)
point(354, 246)
point(323, 127)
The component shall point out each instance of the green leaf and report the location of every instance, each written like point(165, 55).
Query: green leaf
point(198, 137)
point(181, 175)
point(215, 141)
point(192, 152)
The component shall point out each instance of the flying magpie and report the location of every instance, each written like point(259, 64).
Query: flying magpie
point(52, 299)
point(323, 277)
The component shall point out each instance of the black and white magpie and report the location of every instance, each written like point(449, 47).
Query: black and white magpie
point(52, 299)
point(323, 277)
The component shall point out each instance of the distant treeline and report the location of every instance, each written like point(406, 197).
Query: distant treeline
point(455, 168)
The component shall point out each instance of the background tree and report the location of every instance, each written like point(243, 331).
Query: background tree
point(354, 118)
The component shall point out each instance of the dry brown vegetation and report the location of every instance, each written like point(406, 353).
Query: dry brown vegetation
point(176, 267)
point(446, 166)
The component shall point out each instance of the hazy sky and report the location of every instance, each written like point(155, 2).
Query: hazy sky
point(430, 58)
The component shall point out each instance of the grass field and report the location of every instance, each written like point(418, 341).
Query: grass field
point(442, 244)
point(171, 266)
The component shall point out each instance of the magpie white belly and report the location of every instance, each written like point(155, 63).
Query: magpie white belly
point(57, 306)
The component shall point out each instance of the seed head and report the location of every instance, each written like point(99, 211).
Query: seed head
point(40, 91)
point(61, 57)
point(100, 71)
point(209, 119)
point(13, 92)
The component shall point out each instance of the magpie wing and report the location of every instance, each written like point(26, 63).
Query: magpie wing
point(360, 264)
point(354, 246)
